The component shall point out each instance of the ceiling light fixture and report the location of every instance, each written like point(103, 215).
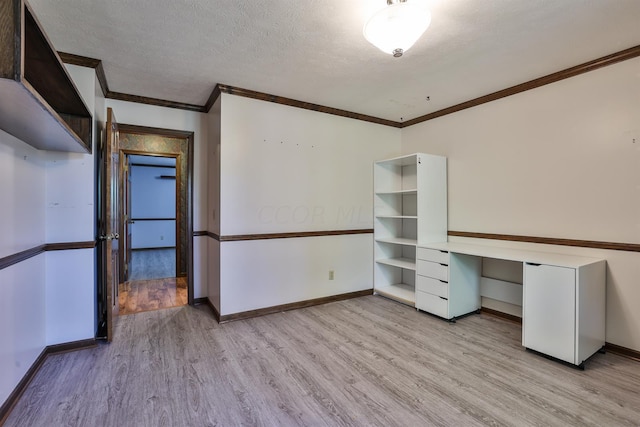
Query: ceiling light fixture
point(398, 26)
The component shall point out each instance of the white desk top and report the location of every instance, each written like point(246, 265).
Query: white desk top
point(509, 254)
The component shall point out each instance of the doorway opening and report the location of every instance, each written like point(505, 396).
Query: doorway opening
point(155, 219)
point(150, 206)
point(150, 213)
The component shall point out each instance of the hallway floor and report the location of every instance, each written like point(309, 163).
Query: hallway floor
point(136, 296)
point(153, 264)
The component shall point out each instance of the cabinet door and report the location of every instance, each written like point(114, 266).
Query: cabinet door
point(549, 304)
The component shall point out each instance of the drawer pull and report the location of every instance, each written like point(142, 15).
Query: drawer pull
point(444, 281)
point(444, 252)
point(447, 265)
point(534, 264)
point(443, 298)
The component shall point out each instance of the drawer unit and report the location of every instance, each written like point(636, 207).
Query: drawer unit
point(432, 304)
point(432, 269)
point(432, 286)
point(448, 284)
point(434, 255)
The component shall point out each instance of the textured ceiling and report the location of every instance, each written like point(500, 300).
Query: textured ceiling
point(314, 51)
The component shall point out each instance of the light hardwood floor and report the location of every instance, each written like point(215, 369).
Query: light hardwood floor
point(144, 295)
point(366, 361)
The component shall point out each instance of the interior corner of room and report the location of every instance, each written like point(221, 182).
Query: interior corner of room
point(288, 204)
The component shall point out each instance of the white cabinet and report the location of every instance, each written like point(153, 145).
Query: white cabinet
point(447, 284)
point(410, 207)
point(564, 310)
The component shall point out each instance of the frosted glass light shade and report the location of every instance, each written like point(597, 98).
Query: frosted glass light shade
point(397, 27)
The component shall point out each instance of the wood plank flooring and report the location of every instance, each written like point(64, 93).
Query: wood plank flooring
point(152, 263)
point(145, 295)
point(362, 362)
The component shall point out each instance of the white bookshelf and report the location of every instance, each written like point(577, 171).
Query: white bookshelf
point(410, 208)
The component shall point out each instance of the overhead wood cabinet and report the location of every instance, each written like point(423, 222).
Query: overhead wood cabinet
point(410, 208)
point(39, 103)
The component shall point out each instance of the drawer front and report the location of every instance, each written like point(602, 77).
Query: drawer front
point(433, 269)
point(432, 286)
point(432, 304)
point(433, 255)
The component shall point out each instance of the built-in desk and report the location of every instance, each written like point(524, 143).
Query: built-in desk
point(563, 296)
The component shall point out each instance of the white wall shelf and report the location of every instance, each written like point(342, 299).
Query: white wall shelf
point(400, 292)
point(398, 241)
point(40, 103)
point(406, 263)
point(398, 192)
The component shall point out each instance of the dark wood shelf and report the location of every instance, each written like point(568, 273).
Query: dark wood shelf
point(39, 103)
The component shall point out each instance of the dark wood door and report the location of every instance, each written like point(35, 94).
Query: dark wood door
point(110, 205)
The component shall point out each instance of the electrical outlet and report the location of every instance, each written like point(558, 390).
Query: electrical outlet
point(331, 275)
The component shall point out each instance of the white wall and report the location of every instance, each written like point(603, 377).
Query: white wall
point(70, 217)
point(47, 198)
point(171, 118)
point(153, 197)
point(285, 169)
point(22, 320)
point(70, 179)
point(22, 226)
point(70, 296)
point(557, 161)
point(266, 273)
point(22, 183)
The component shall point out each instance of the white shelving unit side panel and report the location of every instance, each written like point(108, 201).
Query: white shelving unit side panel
point(590, 309)
point(432, 199)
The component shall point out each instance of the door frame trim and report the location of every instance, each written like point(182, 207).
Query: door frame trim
point(189, 137)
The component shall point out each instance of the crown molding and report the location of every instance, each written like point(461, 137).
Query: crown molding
point(218, 89)
point(83, 61)
point(154, 101)
point(247, 93)
point(215, 94)
point(604, 61)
